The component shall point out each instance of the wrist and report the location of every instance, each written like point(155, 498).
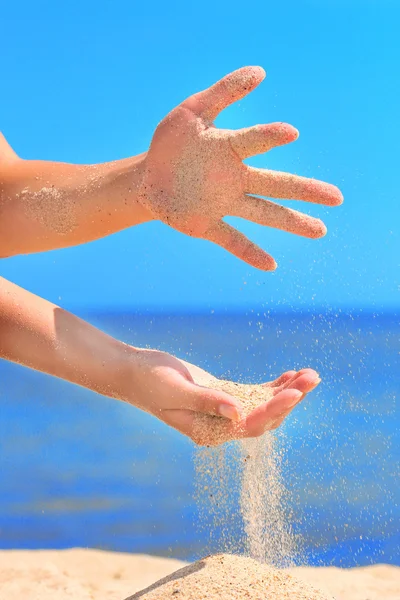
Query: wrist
point(89, 357)
point(122, 183)
point(138, 375)
point(124, 374)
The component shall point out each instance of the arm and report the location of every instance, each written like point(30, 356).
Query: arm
point(45, 205)
point(191, 178)
point(40, 335)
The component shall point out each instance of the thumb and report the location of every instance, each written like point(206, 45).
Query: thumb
point(213, 402)
point(210, 102)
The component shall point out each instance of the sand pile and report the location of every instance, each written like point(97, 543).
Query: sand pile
point(209, 430)
point(229, 577)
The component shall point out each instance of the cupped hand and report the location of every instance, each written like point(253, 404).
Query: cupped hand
point(177, 392)
point(194, 175)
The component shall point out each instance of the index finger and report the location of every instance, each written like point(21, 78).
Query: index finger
point(210, 102)
point(266, 415)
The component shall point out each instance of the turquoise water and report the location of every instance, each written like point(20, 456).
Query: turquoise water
point(81, 470)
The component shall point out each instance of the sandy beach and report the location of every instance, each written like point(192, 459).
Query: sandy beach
point(96, 575)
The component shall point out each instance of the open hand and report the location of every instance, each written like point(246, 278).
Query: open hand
point(194, 175)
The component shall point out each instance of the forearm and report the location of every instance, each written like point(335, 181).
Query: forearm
point(40, 335)
point(45, 205)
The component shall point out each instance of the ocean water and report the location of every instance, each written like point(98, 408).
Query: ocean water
point(77, 469)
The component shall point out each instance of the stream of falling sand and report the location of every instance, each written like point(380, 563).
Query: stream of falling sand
point(247, 474)
point(263, 503)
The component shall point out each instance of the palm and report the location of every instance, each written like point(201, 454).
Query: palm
point(195, 175)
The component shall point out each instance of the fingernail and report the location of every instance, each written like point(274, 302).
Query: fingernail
point(297, 395)
point(314, 385)
point(273, 265)
point(229, 412)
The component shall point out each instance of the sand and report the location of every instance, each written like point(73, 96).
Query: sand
point(250, 469)
point(97, 575)
point(194, 175)
point(209, 430)
point(264, 504)
point(51, 207)
point(242, 500)
point(229, 577)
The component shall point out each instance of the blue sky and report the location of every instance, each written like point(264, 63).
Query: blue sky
point(89, 81)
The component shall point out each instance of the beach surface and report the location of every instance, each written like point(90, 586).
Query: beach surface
point(96, 575)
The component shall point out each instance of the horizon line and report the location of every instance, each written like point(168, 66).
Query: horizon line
point(176, 311)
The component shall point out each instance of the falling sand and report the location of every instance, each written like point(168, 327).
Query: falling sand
point(248, 470)
point(229, 577)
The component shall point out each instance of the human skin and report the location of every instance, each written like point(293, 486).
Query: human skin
point(42, 336)
point(191, 177)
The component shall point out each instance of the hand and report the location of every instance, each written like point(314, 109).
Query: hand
point(164, 386)
point(194, 174)
point(177, 392)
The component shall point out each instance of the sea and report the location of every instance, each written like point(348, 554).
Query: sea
point(78, 469)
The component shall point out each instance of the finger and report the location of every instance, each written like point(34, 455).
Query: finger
point(277, 423)
point(209, 401)
point(214, 402)
point(305, 381)
point(291, 187)
point(239, 245)
point(307, 371)
point(286, 384)
point(264, 417)
point(285, 377)
point(209, 103)
point(261, 138)
point(265, 212)
point(181, 420)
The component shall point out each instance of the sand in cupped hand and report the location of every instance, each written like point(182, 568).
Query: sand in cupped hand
point(209, 430)
point(229, 577)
